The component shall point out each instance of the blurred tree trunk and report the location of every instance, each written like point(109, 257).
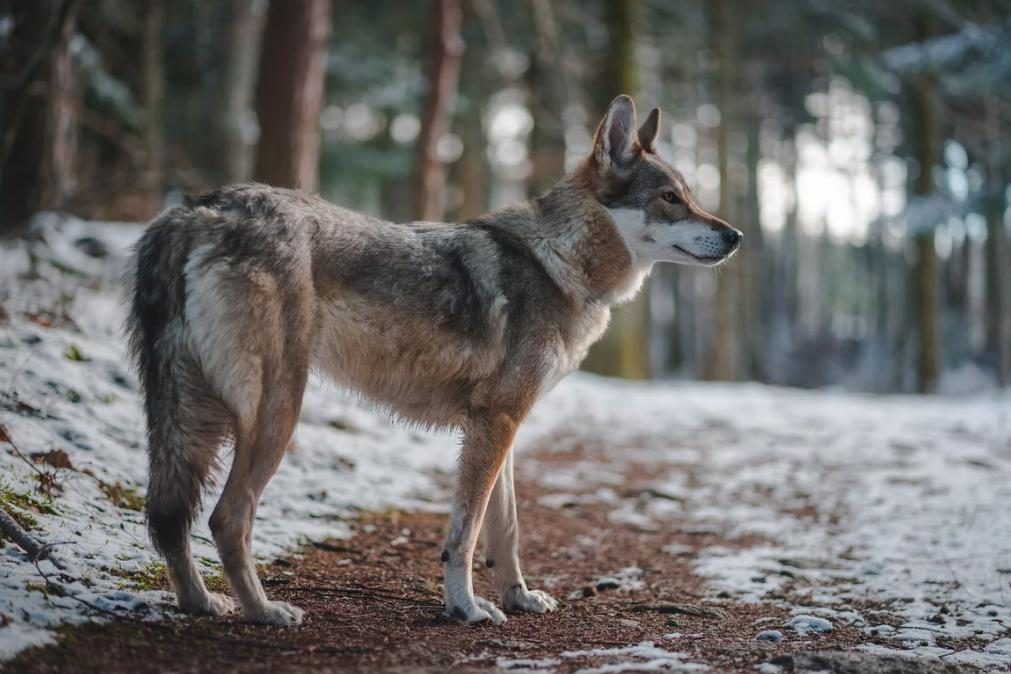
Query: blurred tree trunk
point(756, 305)
point(38, 148)
point(547, 83)
point(291, 87)
point(790, 243)
point(443, 77)
point(722, 359)
point(927, 137)
point(154, 99)
point(623, 350)
point(998, 321)
point(247, 17)
point(471, 173)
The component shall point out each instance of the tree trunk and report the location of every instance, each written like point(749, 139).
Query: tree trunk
point(154, 98)
point(722, 359)
point(547, 83)
point(37, 153)
point(443, 77)
point(292, 72)
point(623, 350)
point(756, 304)
point(247, 18)
point(925, 291)
point(472, 172)
point(998, 315)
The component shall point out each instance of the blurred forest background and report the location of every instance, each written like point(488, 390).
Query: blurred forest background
point(863, 147)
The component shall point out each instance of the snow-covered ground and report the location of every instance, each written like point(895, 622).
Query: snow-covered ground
point(901, 503)
point(898, 503)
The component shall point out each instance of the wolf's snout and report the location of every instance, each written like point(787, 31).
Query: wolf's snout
point(732, 238)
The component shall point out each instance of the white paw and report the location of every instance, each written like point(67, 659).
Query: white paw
point(210, 603)
point(480, 610)
point(518, 599)
point(279, 613)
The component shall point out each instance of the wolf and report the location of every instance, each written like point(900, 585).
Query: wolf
point(238, 294)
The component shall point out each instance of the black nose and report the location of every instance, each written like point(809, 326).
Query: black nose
point(732, 237)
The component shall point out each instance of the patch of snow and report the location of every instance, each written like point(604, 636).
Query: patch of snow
point(19, 635)
point(643, 657)
point(806, 624)
point(528, 665)
point(984, 659)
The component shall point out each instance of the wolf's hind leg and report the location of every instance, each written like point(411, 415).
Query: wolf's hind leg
point(184, 444)
point(258, 453)
point(501, 537)
point(485, 447)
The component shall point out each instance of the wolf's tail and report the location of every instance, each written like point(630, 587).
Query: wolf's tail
point(156, 327)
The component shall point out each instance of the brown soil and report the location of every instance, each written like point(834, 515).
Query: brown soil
point(373, 603)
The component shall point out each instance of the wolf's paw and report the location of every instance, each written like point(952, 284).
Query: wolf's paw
point(278, 613)
point(480, 611)
point(210, 603)
point(519, 599)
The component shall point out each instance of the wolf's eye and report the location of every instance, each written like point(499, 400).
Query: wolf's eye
point(669, 196)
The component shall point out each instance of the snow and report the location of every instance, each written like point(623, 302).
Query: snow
point(804, 624)
point(843, 499)
point(643, 657)
point(527, 665)
point(900, 501)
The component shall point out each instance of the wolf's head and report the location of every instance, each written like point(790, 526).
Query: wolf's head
point(651, 205)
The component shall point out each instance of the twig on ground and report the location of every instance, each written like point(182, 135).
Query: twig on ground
point(6, 437)
point(14, 531)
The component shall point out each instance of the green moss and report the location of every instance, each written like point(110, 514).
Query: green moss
point(216, 582)
point(123, 496)
point(74, 353)
point(152, 577)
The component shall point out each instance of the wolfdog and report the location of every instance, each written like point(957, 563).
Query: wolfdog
point(238, 293)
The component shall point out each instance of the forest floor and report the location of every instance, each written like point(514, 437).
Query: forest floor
point(675, 522)
point(373, 603)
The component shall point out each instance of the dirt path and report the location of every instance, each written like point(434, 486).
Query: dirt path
point(373, 604)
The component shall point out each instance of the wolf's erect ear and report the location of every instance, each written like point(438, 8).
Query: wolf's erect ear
point(649, 131)
point(615, 143)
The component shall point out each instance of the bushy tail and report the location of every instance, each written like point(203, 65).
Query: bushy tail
point(155, 327)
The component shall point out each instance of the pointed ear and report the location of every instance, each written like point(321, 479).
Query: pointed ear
point(649, 131)
point(615, 143)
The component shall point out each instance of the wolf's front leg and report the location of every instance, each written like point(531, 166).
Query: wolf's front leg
point(501, 536)
point(486, 444)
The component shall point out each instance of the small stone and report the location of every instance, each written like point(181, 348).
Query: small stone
point(589, 591)
point(803, 624)
point(769, 635)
